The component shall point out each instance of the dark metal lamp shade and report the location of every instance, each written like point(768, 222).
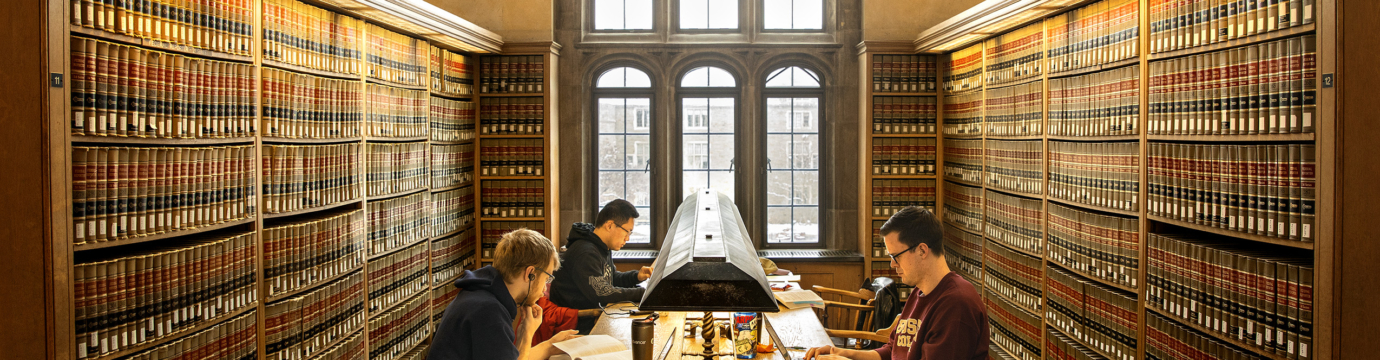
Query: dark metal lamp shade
point(707, 262)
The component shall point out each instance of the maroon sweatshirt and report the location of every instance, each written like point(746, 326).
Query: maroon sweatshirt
point(948, 323)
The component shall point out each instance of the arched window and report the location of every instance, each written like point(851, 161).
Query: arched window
point(623, 98)
point(708, 120)
point(793, 96)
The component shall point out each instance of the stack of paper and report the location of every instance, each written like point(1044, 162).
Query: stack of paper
point(797, 299)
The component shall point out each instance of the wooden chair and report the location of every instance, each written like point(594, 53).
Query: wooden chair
point(854, 305)
point(881, 336)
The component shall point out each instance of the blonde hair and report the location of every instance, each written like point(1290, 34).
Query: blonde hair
point(522, 248)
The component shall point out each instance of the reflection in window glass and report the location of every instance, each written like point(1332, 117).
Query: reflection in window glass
point(793, 14)
point(793, 170)
point(624, 158)
point(622, 14)
point(708, 146)
point(624, 77)
point(708, 14)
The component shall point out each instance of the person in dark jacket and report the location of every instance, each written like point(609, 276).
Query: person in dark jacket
point(589, 280)
point(478, 324)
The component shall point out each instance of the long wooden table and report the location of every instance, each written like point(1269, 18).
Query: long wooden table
point(797, 327)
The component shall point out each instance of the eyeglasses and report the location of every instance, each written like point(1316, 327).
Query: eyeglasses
point(625, 230)
point(549, 277)
point(903, 252)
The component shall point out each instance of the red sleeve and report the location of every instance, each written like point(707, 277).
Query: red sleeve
point(554, 319)
point(884, 351)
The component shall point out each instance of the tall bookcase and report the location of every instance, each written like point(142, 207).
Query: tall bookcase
point(1139, 291)
point(341, 51)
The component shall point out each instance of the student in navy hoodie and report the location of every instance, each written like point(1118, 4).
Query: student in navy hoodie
point(591, 281)
point(478, 324)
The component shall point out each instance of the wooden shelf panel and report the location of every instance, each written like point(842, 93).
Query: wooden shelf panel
point(310, 210)
point(1098, 280)
point(1235, 138)
point(395, 84)
point(396, 139)
point(159, 45)
point(1235, 234)
point(159, 141)
point(1096, 68)
point(312, 286)
point(310, 71)
point(452, 96)
point(1249, 40)
point(396, 194)
point(1237, 343)
point(279, 140)
point(457, 142)
point(1093, 207)
point(161, 236)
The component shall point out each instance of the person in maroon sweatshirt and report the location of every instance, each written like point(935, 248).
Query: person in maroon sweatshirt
point(944, 317)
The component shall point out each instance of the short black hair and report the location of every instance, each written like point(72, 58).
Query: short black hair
point(618, 210)
point(916, 225)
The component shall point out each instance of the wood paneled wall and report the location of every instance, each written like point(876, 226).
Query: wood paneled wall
point(1358, 128)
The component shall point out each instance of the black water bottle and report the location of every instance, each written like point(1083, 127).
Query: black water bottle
point(643, 330)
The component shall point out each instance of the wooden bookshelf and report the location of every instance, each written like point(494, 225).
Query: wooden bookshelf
point(958, 37)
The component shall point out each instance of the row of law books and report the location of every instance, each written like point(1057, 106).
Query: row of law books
point(452, 255)
point(310, 107)
point(128, 91)
point(350, 348)
point(298, 327)
point(1015, 166)
point(1268, 88)
point(1105, 174)
point(903, 156)
point(121, 193)
point(1184, 24)
point(890, 196)
point(1015, 55)
point(396, 112)
point(452, 209)
point(904, 114)
point(903, 73)
point(878, 244)
point(1102, 247)
point(512, 116)
point(233, 339)
point(963, 206)
point(452, 120)
point(1167, 340)
point(883, 268)
point(441, 296)
point(299, 177)
point(297, 33)
point(1060, 346)
point(397, 167)
point(451, 165)
point(512, 74)
point(1015, 221)
point(964, 252)
point(963, 114)
point(1101, 317)
point(963, 160)
point(1016, 110)
point(451, 73)
point(1104, 103)
point(396, 332)
point(394, 57)
point(1261, 189)
point(511, 157)
point(512, 198)
point(1257, 296)
point(397, 276)
point(1099, 33)
point(1012, 328)
point(304, 253)
point(963, 70)
point(128, 298)
point(222, 26)
point(398, 222)
point(1016, 276)
point(491, 232)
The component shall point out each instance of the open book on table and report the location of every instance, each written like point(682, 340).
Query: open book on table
point(593, 347)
